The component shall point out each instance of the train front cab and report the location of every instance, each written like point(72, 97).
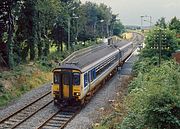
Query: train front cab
point(66, 88)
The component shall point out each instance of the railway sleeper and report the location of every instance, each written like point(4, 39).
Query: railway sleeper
point(65, 116)
point(51, 126)
point(62, 119)
point(55, 123)
point(9, 123)
point(14, 119)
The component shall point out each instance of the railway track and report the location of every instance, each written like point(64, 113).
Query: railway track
point(26, 112)
point(61, 118)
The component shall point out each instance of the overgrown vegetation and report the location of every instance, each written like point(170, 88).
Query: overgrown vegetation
point(20, 80)
point(153, 100)
point(25, 77)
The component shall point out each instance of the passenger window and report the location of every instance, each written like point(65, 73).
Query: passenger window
point(120, 54)
point(85, 80)
point(94, 73)
point(89, 76)
point(76, 78)
point(92, 77)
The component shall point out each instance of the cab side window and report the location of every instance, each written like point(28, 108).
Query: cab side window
point(57, 79)
point(76, 78)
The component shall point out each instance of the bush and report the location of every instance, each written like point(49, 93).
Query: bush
point(154, 99)
point(1, 87)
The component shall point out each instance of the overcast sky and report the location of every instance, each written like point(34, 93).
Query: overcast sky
point(130, 10)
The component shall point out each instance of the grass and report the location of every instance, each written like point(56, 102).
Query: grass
point(17, 82)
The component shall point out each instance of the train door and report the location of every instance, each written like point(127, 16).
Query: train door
point(66, 84)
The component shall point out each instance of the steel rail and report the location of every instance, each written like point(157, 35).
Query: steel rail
point(27, 116)
point(60, 118)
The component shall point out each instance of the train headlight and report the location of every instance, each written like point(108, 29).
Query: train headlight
point(77, 94)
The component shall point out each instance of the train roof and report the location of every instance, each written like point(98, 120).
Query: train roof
point(92, 58)
point(68, 66)
point(95, 55)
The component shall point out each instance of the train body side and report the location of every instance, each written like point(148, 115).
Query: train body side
point(112, 61)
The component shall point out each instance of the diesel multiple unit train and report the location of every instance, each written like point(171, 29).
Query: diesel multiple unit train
point(79, 78)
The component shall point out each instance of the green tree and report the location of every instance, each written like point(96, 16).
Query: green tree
point(161, 23)
point(89, 16)
point(96, 21)
point(105, 14)
point(30, 12)
point(48, 11)
point(7, 24)
point(118, 28)
point(26, 30)
point(175, 25)
point(163, 38)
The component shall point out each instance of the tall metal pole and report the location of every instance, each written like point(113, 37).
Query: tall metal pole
point(107, 29)
point(101, 21)
point(69, 25)
point(76, 32)
point(94, 28)
point(68, 45)
point(142, 23)
point(150, 21)
point(160, 42)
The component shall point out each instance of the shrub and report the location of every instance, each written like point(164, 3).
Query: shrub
point(154, 99)
point(1, 87)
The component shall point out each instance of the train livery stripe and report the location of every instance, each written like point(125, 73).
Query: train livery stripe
point(98, 61)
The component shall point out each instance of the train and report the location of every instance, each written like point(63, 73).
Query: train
point(73, 84)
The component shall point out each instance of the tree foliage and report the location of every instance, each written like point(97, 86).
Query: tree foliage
point(163, 38)
point(175, 25)
point(30, 27)
point(7, 24)
point(118, 28)
point(154, 99)
point(161, 23)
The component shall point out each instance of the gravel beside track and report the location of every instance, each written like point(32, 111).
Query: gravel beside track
point(39, 117)
point(24, 100)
